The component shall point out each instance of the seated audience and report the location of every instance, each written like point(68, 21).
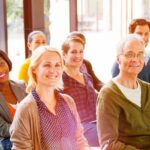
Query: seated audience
point(35, 39)
point(79, 85)
point(11, 93)
point(141, 27)
point(46, 119)
point(123, 110)
point(86, 65)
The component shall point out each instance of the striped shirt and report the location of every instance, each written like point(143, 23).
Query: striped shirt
point(57, 131)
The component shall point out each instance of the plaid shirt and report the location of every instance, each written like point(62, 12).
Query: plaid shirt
point(84, 96)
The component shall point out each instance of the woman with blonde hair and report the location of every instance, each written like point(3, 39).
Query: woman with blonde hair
point(47, 119)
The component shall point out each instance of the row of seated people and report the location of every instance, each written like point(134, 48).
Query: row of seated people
point(48, 118)
point(88, 97)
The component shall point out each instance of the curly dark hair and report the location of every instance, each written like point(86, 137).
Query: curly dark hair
point(6, 58)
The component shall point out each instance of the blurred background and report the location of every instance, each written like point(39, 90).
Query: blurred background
point(103, 22)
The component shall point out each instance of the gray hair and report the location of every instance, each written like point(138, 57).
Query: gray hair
point(129, 37)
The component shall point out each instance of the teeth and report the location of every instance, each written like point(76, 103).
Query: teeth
point(2, 75)
point(134, 66)
point(52, 77)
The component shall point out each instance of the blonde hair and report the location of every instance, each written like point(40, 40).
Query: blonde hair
point(35, 61)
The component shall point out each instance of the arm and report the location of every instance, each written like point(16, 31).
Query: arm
point(108, 122)
point(115, 69)
point(96, 82)
point(4, 128)
point(20, 130)
point(81, 140)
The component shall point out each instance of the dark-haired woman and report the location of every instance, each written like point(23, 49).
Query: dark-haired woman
point(11, 93)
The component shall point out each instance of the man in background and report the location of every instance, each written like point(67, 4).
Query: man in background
point(142, 27)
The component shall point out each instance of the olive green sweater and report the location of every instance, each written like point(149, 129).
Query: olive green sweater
point(121, 124)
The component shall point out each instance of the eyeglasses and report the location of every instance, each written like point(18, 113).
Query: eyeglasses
point(132, 55)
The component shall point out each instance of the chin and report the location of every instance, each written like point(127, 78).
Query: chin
point(3, 80)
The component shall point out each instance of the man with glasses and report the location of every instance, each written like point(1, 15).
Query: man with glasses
point(123, 106)
point(142, 28)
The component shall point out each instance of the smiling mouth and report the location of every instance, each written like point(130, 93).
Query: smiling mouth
point(52, 77)
point(2, 75)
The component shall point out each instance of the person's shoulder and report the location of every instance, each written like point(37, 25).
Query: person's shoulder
point(27, 107)
point(26, 63)
point(88, 76)
point(144, 83)
point(147, 59)
point(28, 102)
point(20, 84)
point(70, 102)
point(86, 62)
point(108, 86)
point(67, 98)
point(17, 82)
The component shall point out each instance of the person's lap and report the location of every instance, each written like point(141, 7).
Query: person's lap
point(5, 144)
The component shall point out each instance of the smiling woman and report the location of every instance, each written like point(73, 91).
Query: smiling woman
point(11, 93)
point(47, 119)
point(79, 85)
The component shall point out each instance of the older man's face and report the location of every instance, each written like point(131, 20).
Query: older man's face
point(131, 61)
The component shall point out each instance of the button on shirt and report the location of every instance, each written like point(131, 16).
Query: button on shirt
point(57, 131)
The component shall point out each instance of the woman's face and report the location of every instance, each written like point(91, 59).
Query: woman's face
point(4, 71)
point(37, 40)
point(131, 61)
point(74, 56)
point(49, 71)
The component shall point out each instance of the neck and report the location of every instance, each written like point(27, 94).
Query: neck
point(72, 71)
point(4, 86)
point(129, 82)
point(45, 94)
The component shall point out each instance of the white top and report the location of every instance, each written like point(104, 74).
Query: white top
point(134, 95)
